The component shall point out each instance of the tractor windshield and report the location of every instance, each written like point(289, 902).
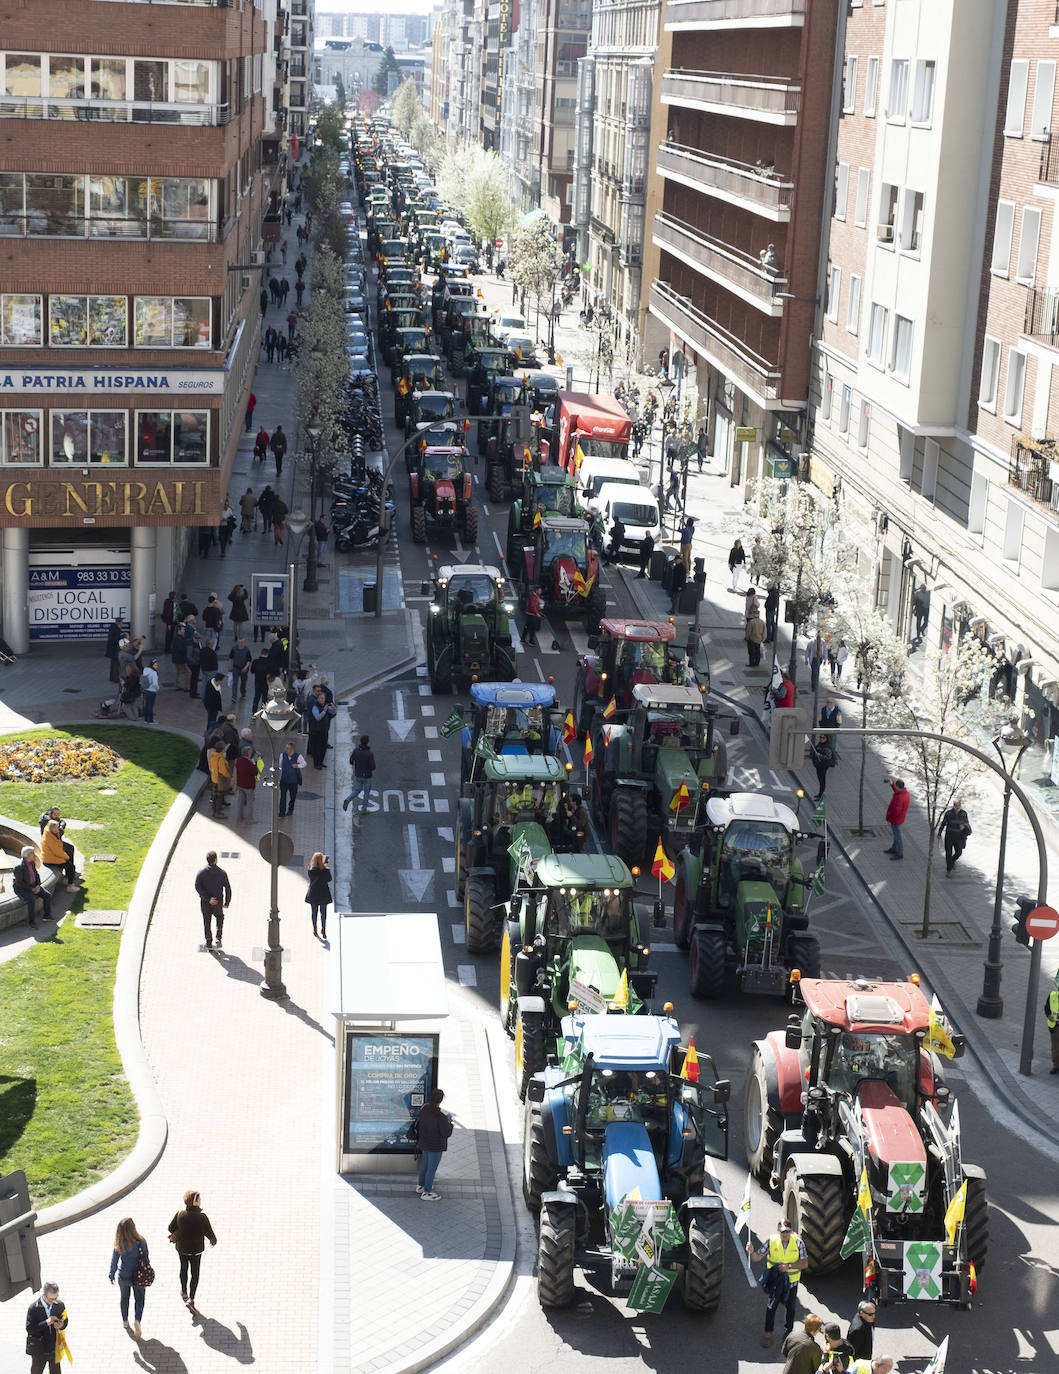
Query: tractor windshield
point(566, 544)
point(553, 497)
point(516, 725)
point(890, 1059)
point(438, 465)
point(474, 591)
point(526, 801)
point(650, 657)
point(435, 405)
point(603, 912)
point(510, 391)
point(755, 851)
point(621, 1095)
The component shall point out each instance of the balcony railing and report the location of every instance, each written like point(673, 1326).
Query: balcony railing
point(752, 186)
point(756, 375)
point(758, 97)
point(114, 111)
point(695, 13)
point(721, 261)
point(1042, 316)
point(1032, 465)
point(1049, 159)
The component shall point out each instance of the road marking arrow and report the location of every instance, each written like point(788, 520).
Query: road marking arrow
point(415, 881)
point(401, 727)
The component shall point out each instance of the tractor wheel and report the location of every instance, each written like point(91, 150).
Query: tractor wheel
point(419, 525)
point(538, 1172)
point(762, 1123)
point(495, 483)
point(478, 914)
point(582, 716)
point(470, 525)
point(595, 609)
point(683, 905)
point(818, 1208)
point(803, 952)
point(556, 1250)
point(628, 824)
point(461, 864)
point(976, 1222)
point(708, 964)
point(529, 1048)
point(704, 1271)
point(509, 946)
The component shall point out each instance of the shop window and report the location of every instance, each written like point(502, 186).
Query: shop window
point(173, 321)
point(21, 321)
point(20, 437)
point(172, 436)
point(88, 436)
point(87, 321)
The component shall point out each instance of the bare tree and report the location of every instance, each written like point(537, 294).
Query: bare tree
point(537, 266)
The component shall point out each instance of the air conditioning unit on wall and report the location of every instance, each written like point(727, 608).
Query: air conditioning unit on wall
point(257, 257)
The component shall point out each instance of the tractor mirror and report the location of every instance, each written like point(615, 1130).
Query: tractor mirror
point(793, 1037)
point(535, 1090)
point(821, 851)
point(722, 1090)
point(958, 1044)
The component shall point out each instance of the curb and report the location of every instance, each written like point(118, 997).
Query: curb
point(349, 694)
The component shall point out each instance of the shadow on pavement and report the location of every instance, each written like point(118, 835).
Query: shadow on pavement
point(220, 1338)
point(156, 1355)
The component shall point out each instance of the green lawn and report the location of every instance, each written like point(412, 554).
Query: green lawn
point(66, 1114)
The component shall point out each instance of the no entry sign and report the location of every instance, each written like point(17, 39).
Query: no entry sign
point(1042, 922)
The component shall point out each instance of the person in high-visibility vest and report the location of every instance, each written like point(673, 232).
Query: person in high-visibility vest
point(1051, 1016)
point(882, 1364)
point(784, 1256)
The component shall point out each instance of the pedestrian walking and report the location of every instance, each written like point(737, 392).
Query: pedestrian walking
point(212, 620)
point(240, 658)
point(245, 784)
point(194, 653)
point(284, 287)
point(261, 442)
point(279, 517)
point(1051, 1019)
point(263, 301)
point(299, 291)
point(281, 348)
point(278, 446)
point(837, 1352)
point(215, 895)
point(755, 637)
point(283, 252)
point(895, 815)
point(189, 1231)
point(291, 764)
point(955, 829)
point(320, 529)
point(831, 719)
point(251, 402)
point(321, 714)
point(772, 613)
point(46, 1319)
point(647, 548)
point(260, 671)
point(673, 489)
point(784, 1256)
point(801, 1350)
point(213, 701)
point(814, 657)
point(168, 619)
point(270, 343)
point(533, 616)
point(264, 505)
point(687, 540)
point(220, 775)
point(433, 1129)
point(292, 325)
point(27, 884)
point(273, 288)
point(836, 660)
point(822, 754)
point(318, 893)
point(860, 1334)
point(130, 1267)
point(702, 447)
point(362, 761)
point(736, 559)
point(149, 686)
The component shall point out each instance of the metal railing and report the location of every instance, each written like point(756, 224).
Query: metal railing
point(1042, 315)
point(1049, 172)
point(686, 12)
point(719, 259)
point(114, 111)
point(1030, 471)
point(734, 178)
point(743, 364)
point(753, 94)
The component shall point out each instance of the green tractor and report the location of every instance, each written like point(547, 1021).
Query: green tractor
point(468, 630)
point(653, 766)
point(509, 819)
point(741, 898)
point(571, 936)
point(545, 491)
point(416, 373)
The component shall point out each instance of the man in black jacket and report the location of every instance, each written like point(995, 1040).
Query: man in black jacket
point(362, 761)
point(45, 1317)
point(27, 883)
point(215, 895)
point(861, 1332)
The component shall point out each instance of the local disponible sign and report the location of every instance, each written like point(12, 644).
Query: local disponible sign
point(118, 501)
point(76, 603)
point(80, 381)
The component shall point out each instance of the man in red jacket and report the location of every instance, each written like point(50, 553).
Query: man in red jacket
point(895, 814)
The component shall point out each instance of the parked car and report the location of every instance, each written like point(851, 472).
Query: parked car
point(522, 350)
point(506, 324)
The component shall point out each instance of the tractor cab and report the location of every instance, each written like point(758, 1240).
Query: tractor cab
point(545, 492)
point(486, 364)
point(421, 371)
point(629, 654)
point(440, 491)
point(513, 718)
point(441, 464)
point(755, 857)
point(564, 568)
point(670, 730)
point(428, 407)
point(468, 633)
point(506, 391)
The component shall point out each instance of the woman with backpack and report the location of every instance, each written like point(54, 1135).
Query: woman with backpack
point(432, 1128)
point(130, 1265)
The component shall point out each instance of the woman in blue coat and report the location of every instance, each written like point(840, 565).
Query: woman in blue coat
point(130, 1251)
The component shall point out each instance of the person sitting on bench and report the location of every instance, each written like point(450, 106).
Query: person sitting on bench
point(27, 884)
point(56, 853)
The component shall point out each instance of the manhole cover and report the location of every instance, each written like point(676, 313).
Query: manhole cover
point(107, 920)
point(944, 933)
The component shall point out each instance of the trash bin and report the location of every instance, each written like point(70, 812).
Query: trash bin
point(690, 596)
point(659, 559)
point(370, 591)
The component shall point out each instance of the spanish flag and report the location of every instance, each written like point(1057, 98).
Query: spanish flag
point(569, 728)
point(537, 522)
point(480, 296)
point(581, 586)
point(690, 1071)
point(527, 456)
point(579, 457)
point(620, 1000)
point(466, 426)
point(681, 798)
point(606, 738)
point(403, 387)
point(388, 305)
point(588, 750)
point(610, 709)
point(662, 867)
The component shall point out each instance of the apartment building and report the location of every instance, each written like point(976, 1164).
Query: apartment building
point(133, 198)
point(520, 108)
point(562, 40)
point(464, 22)
point(732, 271)
point(612, 160)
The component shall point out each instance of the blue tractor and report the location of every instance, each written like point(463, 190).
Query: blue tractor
point(617, 1122)
point(514, 717)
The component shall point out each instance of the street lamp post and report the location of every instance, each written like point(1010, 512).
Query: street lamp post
point(310, 584)
point(991, 1004)
point(297, 524)
point(276, 715)
point(665, 386)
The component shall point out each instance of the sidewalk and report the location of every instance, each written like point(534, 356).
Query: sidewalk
point(312, 1271)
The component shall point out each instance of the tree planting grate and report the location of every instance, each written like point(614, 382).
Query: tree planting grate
point(944, 933)
point(868, 833)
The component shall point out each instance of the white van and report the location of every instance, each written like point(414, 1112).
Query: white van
point(595, 472)
point(635, 507)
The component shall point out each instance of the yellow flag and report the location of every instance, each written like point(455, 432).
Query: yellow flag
point(588, 750)
point(621, 993)
point(579, 455)
point(938, 1038)
point(537, 521)
point(954, 1214)
point(62, 1345)
point(864, 1193)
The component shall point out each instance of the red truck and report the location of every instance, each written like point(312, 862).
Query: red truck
point(599, 424)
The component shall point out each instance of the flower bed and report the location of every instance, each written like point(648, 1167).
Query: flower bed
point(56, 760)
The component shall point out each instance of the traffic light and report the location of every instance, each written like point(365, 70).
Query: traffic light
point(1024, 906)
point(19, 1261)
point(787, 737)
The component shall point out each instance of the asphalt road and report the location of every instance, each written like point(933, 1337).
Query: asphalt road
point(1013, 1324)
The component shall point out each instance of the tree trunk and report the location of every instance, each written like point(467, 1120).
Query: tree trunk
point(863, 761)
point(924, 930)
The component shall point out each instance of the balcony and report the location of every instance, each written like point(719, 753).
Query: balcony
point(721, 262)
point(735, 14)
point(757, 377)
point(1034, 470)
point(760, 98)
point(1049, 172)
point(752, 188)
point(114, 111)
point(1042, 316)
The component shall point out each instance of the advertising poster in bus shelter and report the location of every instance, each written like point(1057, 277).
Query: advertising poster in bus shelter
point(389, 1076)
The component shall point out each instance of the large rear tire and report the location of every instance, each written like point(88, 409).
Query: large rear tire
point(509, 946)
point(762, 1122)
point(818, 1208)
point(470, 525)
point(683, 907)
point(478, 913)
point(803, 952)
point(419, 525)
point(628, 824)
point(556, 1250)
point(976, 1222)
point(707, 965)
point(595, 609)
point(538, 1172)
point(529, 1048)
point(704, 1272)
point(495, 483)
point(581, 712)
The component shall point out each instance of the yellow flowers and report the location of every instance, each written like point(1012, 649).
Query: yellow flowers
point(56, 760)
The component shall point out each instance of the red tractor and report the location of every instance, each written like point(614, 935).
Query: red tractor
point(630, 652)
point(440, 490)
point(565, 569)
point(844, 1116)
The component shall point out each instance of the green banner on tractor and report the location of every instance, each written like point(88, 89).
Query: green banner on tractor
point(453, 722)
point(650, 1288)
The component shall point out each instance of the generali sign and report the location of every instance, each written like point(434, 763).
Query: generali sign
point(51, 498)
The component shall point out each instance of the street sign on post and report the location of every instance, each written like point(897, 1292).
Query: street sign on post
point(268, 598)
point(1042, 923)
point(787, 737)
point(19, 1261)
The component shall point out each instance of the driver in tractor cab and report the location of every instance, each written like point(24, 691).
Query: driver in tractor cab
point(547, 803)
point(612, 921)
point(519, 801)
point(464, 601)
